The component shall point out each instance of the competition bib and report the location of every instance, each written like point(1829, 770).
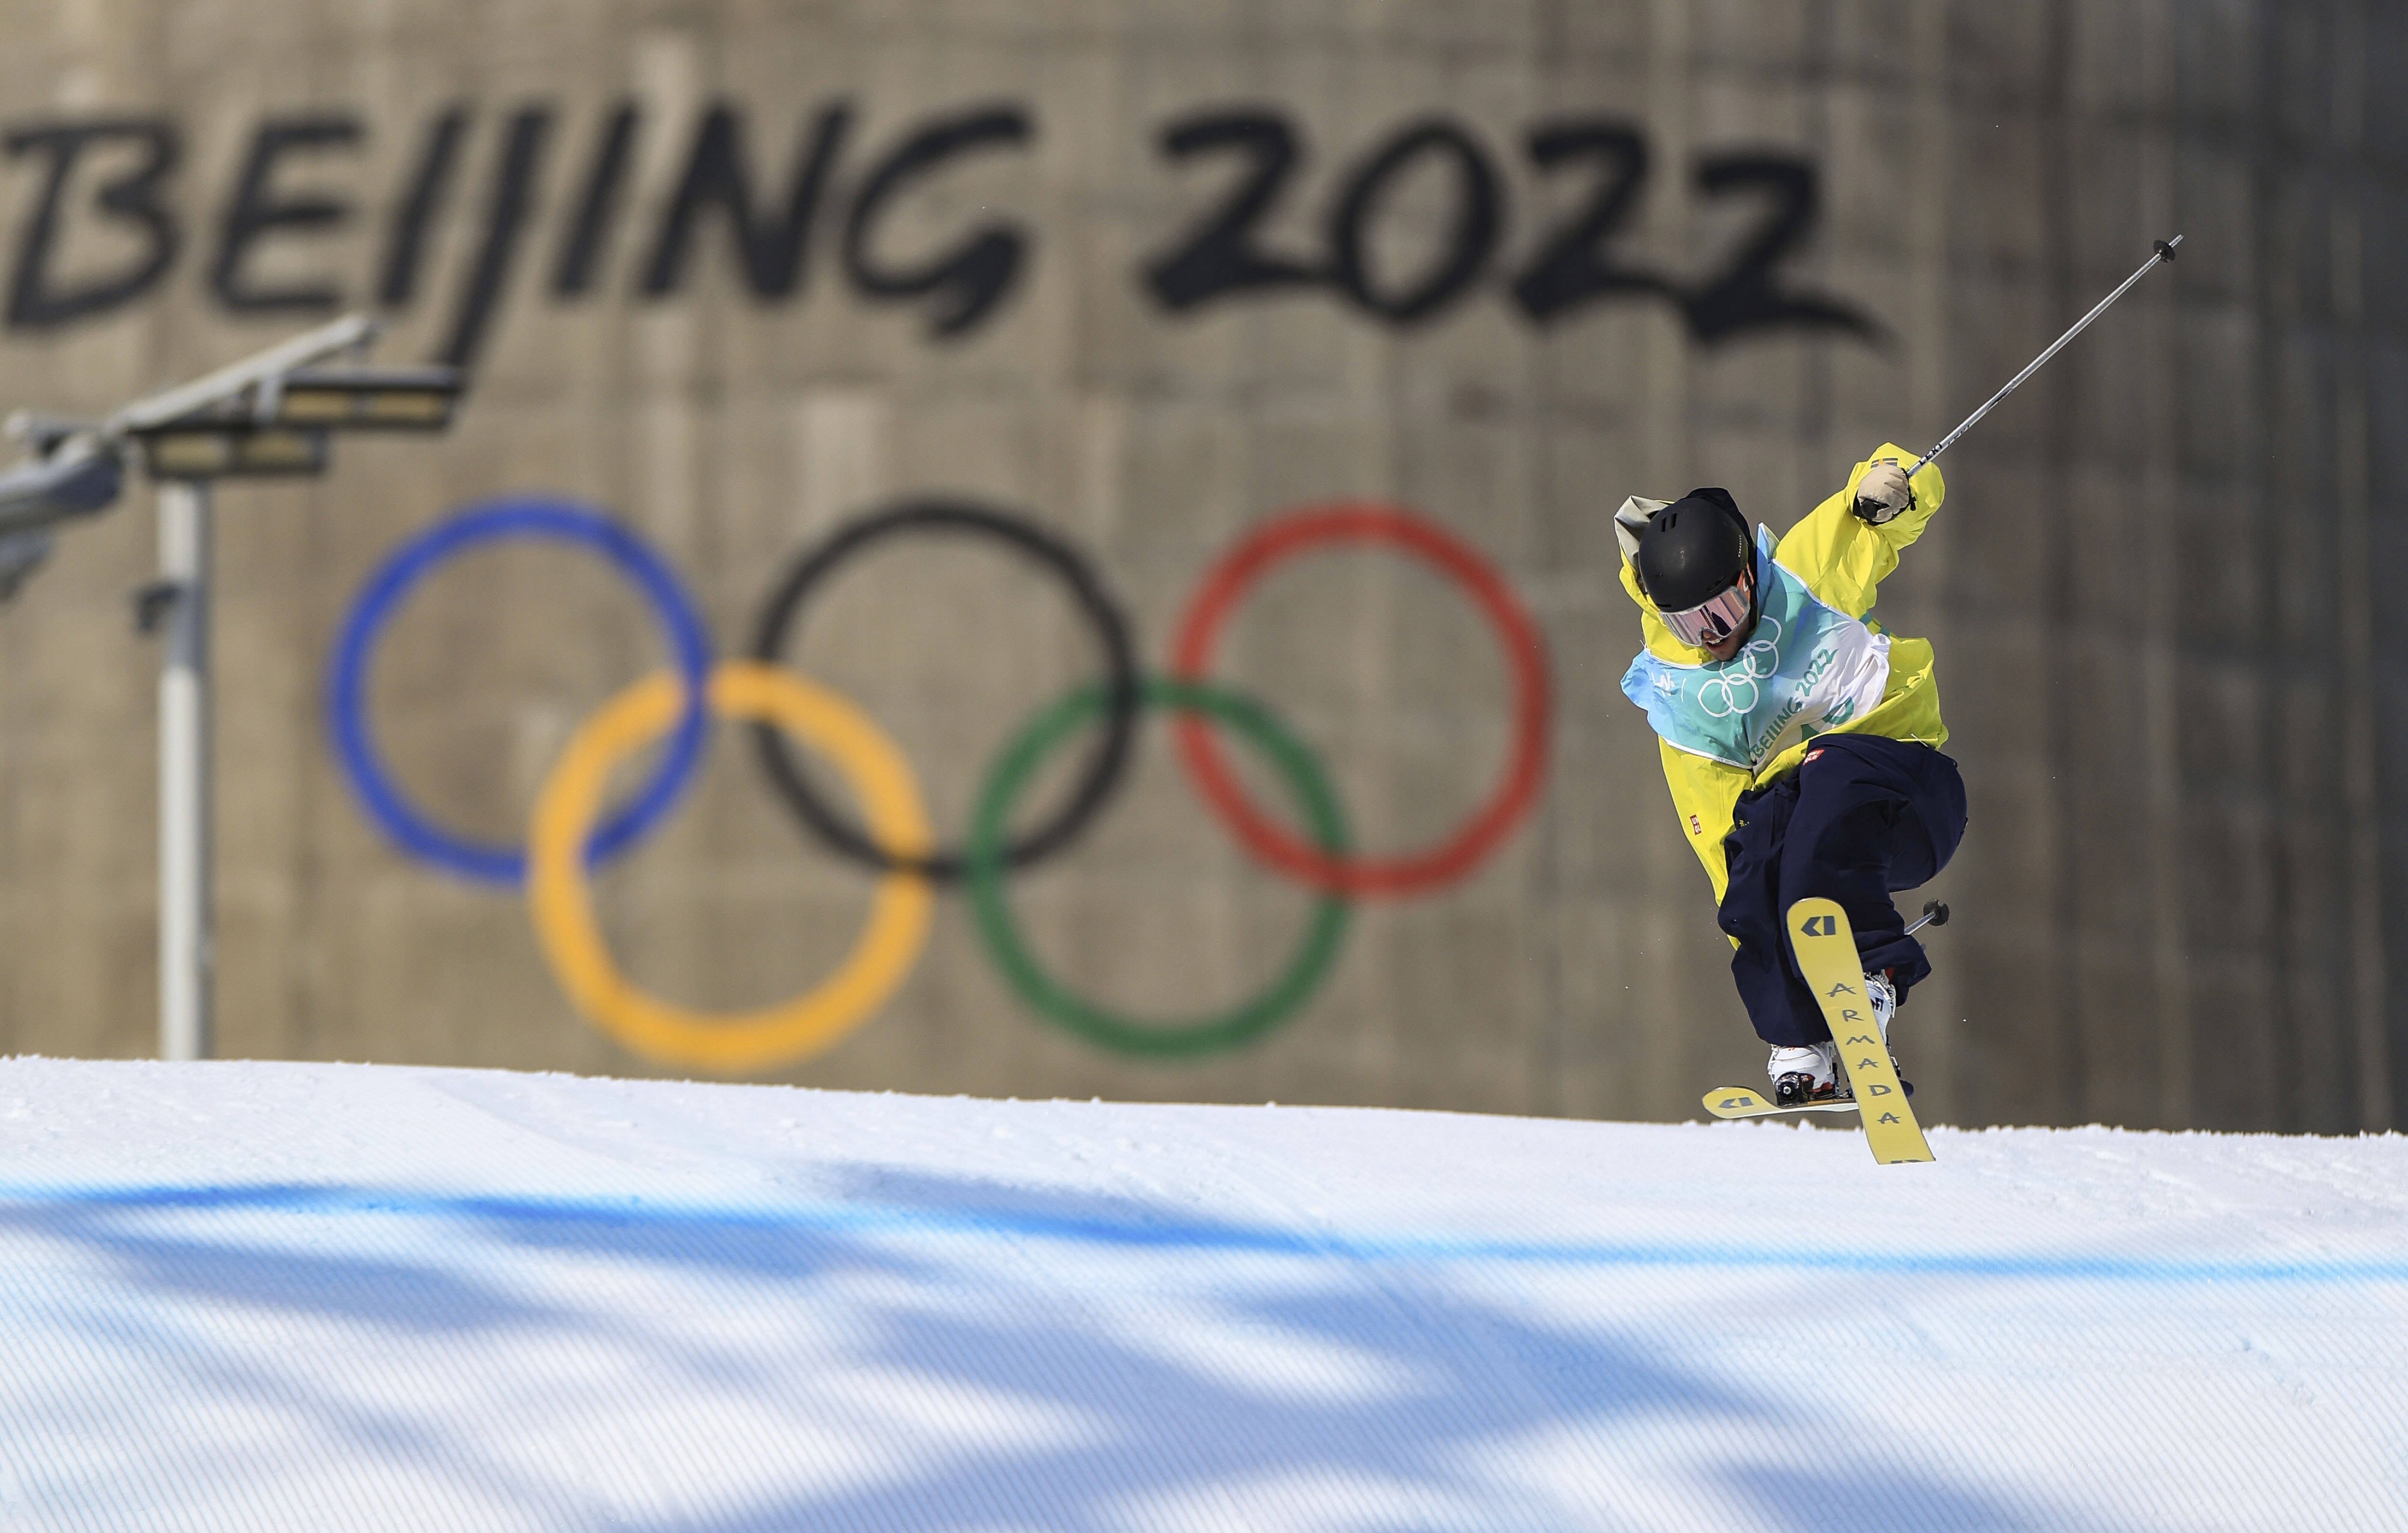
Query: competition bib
point(1806, 663)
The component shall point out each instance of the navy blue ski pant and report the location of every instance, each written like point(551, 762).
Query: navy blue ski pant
point(1862, 817)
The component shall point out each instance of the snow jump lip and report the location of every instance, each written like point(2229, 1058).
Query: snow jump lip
point(373, 1296)
point(804, 1220)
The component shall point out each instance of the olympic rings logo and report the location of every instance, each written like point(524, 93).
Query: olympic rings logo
point(569, 836)
point(1756, 661)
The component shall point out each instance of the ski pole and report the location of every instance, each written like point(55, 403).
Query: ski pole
point(2165, 251)
point(1934, 913)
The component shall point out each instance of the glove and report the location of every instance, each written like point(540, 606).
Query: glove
point(1883, 493)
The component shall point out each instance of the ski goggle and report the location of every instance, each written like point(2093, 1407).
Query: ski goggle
point(1715, 618)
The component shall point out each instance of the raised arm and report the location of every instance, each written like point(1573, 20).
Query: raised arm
point(1843, 557)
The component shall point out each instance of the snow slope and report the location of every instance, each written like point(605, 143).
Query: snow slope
point(290, 1295)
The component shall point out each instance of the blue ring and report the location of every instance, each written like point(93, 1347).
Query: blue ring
point(562, 522)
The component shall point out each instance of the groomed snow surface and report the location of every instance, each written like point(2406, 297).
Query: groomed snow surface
point(248, 1295)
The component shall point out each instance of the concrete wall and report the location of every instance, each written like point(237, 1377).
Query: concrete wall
point(2148, 589)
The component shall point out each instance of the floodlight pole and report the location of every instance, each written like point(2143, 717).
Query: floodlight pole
point(269, 414)
point(187, 938)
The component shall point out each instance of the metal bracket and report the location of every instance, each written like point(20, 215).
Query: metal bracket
point(154, 602)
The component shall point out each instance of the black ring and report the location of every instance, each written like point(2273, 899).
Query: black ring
point(1103, 771)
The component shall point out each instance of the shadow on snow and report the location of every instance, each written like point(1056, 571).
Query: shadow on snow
point(1071, 1336)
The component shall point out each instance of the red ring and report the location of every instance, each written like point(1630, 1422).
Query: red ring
point(1350, 522)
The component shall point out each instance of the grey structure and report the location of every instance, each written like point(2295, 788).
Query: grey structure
point(2151, 590)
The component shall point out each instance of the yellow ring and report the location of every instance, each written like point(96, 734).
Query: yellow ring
point(735, 1041)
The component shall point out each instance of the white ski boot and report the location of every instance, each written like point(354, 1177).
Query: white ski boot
point(1882, 997)
point(1805, 1075)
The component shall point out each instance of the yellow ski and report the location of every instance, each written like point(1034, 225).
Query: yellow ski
point(1826, 955)
point(1742, 1102)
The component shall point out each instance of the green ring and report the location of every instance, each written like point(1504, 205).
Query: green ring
point(1059, 1005)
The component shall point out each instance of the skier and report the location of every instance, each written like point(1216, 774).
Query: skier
point(1745, 639)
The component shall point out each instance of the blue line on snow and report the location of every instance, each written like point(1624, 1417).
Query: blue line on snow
point(846, 1219)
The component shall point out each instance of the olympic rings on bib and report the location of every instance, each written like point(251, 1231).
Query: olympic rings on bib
point(1055, 1002)
point(563, 916)
point(1355, 521)
point(1102, 772)
point(1757, 660)
point(496, 522)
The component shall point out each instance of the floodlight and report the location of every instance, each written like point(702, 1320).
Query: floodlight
point(270, 415)
point(307, 399)
point(369, 398)
point(236, 452)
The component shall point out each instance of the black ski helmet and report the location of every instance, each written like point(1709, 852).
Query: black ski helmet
point(1693, 549)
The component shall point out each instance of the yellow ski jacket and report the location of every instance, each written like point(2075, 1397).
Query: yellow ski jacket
point(1843, 560)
